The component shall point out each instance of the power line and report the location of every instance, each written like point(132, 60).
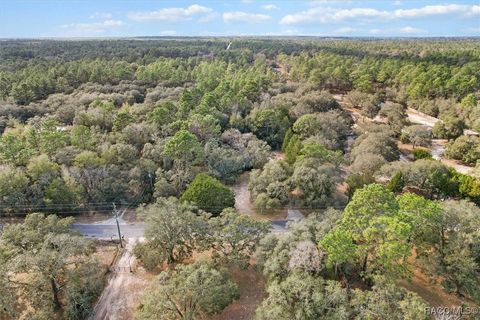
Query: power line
point(131, 204)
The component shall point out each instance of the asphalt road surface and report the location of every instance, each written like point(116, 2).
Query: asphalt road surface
point(137, 230)
point(108, 231)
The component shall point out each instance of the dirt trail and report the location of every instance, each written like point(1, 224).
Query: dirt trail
point(242, 195)
point(243, 202)
point(438, 149)
point(117, 301)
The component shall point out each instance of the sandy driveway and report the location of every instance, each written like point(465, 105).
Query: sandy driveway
point(118, 299)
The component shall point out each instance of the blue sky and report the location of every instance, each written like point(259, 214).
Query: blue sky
point(116, 18)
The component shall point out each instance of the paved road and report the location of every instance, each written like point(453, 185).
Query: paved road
point(107, 231)
point(137, 230)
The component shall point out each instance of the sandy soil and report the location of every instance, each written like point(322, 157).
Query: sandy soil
point(252, 289)
point(117, 301)
point(106, 252)
point(437, 150)
point(421, 118)
point(432, 293)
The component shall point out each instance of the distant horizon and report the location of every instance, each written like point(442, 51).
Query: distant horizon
point(241, 36)
point(32, 19)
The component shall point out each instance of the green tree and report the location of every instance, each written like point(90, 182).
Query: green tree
point(396, 184)
point(270, 186)
point(13, 190)
point(53, 256)
point(356, 181)
point(163, 114)
point(15, 148)
point(122, 119)
point(378, 230)
point(208, 194)
point(205, 127)
point(388, 298)
point(332, 127)
point(235, 236)
point(430, 177)
point(286, 138)
point(183, 147)
point(340, 249)
point(90, 173)
point(82, 137)
point(426, 215)
point(302, 296)
point(456, 259)
point(314, 182)
point(464, 148)
point(186, 103)
point(371, 201)
point(449, 128)
point(278, 257)
point(320, 153)
point(190, 292)
point(269, 125)
point(292, 149)
point(52, 137)
point(172, 232)
point(396, 116)
point(418, 136)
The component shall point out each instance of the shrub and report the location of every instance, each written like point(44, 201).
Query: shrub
point(421, 154)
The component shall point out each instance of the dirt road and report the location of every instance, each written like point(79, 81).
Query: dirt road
point(117, 301)
point(242, 195)
point(437, 149)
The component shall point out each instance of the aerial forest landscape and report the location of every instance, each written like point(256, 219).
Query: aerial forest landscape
point(239, 160)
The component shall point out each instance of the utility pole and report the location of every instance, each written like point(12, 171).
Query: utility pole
point(115, 212)
point(151, 180)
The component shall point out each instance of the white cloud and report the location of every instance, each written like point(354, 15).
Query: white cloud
point(326, 15)
point(412, 30)
point(397, 3)
point(239, 16)
point(330, 15)
point(345, 30)
point(321, 2)
point(168, 33)
point(208, 17)
point(430, 10)
point(170, 14)
point(94, 27)
point(101, 15)
point(475, 11)
point(270, 7)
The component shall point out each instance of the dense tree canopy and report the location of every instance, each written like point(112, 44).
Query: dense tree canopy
point(190, 292)
point(62, 276)
point(167, 126)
